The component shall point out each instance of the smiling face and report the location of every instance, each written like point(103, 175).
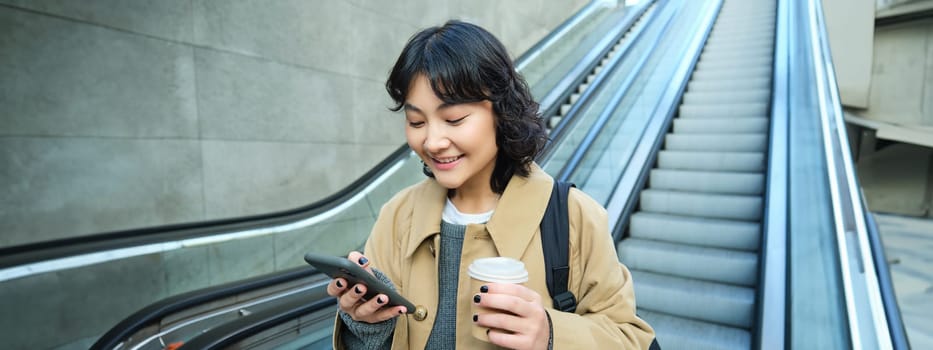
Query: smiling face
point(457, 142)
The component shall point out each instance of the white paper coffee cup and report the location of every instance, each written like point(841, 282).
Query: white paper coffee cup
point(499, 270)
point(495, 270)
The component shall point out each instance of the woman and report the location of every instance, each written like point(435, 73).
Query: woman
point(471, 119)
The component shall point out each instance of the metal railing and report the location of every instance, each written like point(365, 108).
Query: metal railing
point(867, 317)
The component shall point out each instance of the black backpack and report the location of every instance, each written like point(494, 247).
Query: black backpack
point(555, 240)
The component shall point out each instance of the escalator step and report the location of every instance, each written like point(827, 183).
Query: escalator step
point(716, 43)
point(675, 332)
point(760, 61)
point(736, 54)
point(724, 110)
point(720, 125)
point(707, 232)
point(743, 96)
point(718, 161)
point(680, 260)
point(743, 29)
point(753, 22)
point(746, 72)
point(730, 85)
point(720, 206)
point(716, 142)
point(707, 181)
point(689, 298)
point(725, 34)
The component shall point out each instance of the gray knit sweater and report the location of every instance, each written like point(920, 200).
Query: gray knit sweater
point(361, 335)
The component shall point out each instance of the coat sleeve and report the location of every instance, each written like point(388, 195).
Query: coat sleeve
point(603, 287)
point(382, 248)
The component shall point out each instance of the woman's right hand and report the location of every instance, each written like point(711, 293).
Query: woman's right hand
point(350, 298)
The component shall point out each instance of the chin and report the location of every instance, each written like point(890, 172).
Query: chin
point(448, 183)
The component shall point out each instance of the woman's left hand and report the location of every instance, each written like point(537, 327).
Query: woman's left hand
point(521, 322)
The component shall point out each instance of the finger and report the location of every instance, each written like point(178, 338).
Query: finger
point(336, 287)
point(360, 259)
point(518, 290)
point(387, 313)
point(350, 299)
point(503, 321)
point(376, 310)
point(505, 302)
point(367, 309)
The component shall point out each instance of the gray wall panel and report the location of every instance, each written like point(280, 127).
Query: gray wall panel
point(63, 187)
point(371, 37)
point(272, 176)
point(76, 79)
point(371, 113)
point(167, 19)
point(305, 33)
point(897, 93)
point(246, 98)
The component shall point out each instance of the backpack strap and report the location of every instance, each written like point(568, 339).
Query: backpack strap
point(555, 240)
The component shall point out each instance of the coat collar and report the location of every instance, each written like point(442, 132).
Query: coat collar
point(511, 227)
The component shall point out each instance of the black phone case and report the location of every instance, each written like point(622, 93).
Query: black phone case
point(340, 267)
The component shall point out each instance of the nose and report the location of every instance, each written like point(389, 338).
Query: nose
point(436, 139)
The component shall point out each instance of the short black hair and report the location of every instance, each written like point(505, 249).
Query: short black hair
point(465, 63)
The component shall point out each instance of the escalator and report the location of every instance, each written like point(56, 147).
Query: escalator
point(697, 233)
point(681, 148)
point(693, 208)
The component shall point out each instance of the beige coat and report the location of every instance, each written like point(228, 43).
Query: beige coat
point(406, 236)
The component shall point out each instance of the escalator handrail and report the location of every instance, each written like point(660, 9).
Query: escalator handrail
point(578, 73)
point(229, 333)
point(583, 68)
point(144, 317)
point(771, 310)
point(160, 309)
point(555, 35)
point(898, 332)
point(605, 115)
point(848, 208)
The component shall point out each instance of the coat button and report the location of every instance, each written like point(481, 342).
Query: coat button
point(420, 313)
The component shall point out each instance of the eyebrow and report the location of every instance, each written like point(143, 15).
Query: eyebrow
point(411, 107)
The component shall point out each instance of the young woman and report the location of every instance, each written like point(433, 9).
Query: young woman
point(471, 119)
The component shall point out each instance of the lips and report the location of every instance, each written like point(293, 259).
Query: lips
point(446, 163)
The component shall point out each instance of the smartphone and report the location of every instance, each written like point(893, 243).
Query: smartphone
point(341, 267)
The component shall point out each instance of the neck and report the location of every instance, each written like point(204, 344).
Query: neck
point(474, 200)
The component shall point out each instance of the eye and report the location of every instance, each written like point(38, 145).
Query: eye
point(458, 120)
point(415, 124)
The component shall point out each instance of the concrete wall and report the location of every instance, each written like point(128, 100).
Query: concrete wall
point(125, 114)
point(902, 75)
point(850, 25)
point(898, 178)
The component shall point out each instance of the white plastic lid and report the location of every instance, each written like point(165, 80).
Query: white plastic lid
point(498, 270)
